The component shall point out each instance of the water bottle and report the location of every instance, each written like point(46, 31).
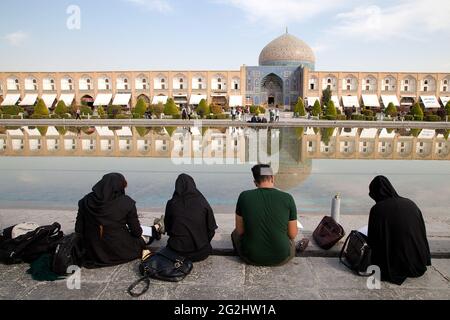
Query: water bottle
point(336, 207)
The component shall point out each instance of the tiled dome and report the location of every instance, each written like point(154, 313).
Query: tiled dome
point(285, 51)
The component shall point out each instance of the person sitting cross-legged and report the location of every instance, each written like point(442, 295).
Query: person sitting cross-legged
point(266, 222)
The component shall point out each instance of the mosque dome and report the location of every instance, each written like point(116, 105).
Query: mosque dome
point(287, 50)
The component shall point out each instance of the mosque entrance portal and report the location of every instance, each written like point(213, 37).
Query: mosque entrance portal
point(272, 87)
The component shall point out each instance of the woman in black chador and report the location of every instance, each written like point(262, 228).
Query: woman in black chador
point(108, 222)
point(396, 234)
point(189, 221)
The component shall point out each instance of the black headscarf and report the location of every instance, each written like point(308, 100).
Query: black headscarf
point(397, 234)
point(189, 220)
point(108, 189)
point(381, 189)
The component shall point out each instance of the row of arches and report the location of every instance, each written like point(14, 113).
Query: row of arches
point(371, 83)
point(141, 82)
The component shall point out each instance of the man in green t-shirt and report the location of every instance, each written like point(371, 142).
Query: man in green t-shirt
point(266, 222)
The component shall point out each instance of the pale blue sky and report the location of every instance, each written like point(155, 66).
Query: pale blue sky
point(396, 35)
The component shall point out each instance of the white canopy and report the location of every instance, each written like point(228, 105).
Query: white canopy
point(16, 132)
point(67, 98)
point(369, 133)
point(336, 102)
point(388, 99)
point(49, 99)
point(350, 101)
point(430, 102)
point(29, 100)
point(103, 99)
point(124, 132)
point(385, 134)
point(158, 99)
point(122, 99)
point(32, 132)
point(312, 100)
point(427, 134)
point(371, 100)
point(51, 131)
point(445, 100)
point(104, 132)
point(11, 99)
point(196, 98)
point(235, 101)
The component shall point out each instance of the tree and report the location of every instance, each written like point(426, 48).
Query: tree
point(330, 110)
point(170, 108)
point(391, 110)
point(40, 108)
point(317, 109)
point(140, 107)
point(101, 111)
point(203, 108)
point(61, 108)
point(447, 108)
point(326, 96)
point(299, 109)
point(215, 109)
point(417, 112)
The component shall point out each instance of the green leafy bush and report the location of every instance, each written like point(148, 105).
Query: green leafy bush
point(329, 117)
point(215, 109)
point(299, 109)
point(433, 118)
point(409, 117)
point(359, 117)
point(86, 110)
point(368, 113)
point(418, 117)
point(40, 108)
point(61, 108)
point(141, 107)
point(317, 109)
point(170, 108)
point(391, 110)
point(369, 118)
point(203, 108)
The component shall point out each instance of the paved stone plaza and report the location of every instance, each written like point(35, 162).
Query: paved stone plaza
point(315, 275)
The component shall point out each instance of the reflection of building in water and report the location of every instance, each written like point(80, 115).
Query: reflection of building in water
point(296, 145)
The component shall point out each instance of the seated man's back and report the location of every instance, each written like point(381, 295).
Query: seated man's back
point(266, 213)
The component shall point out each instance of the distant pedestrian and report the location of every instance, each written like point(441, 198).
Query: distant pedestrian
point(184, 113)
point(233, 114)
point(78, 114)
point(277, 114)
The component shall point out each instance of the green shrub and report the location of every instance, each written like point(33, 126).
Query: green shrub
point(101, 111)
point(123, 116)
point(41, 108)
point(409, 117)
point(113, 110)
point(203, 108)
point(141, 107)
point(61, 108)
point(39, 116)
point(6, 116)
point(418, 117)
point(221, 116)
point(330, 109)
point(447, 108)
point(262, 110)
point(368, 113)
point(176, 116)
point(86, 110)
point(369, 118)
point(170, 108)
point(359, 117)
point(341, 117)
point(391, 110)
point(433, 118)
point(330, 117)
point(317, 109)
point(326, 96)
point(299, 109)
point(137, 115)
point(417, 112)
point(253, 109)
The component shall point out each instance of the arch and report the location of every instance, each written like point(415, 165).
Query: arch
point(12, 83)
point(48, 84)
point(272, 87)
point(87, 100)
point(369, 83)
point(388, 83)
point(199, 82)
point(104, 83)
point(179, 82)
point(145, 97)
point(428, 83)
point(219, 82)
point(445, 84)
point(349, 83)
point(313, 83)
point(86, 83)
point(408, 84)
point(123, 82)
point(31, 83)
point(330, 81)
point(236, 83)
point(160, 82)
point(67, 83)
point(142, 82)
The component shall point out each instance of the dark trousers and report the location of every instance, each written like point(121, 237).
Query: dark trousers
point(237, 245)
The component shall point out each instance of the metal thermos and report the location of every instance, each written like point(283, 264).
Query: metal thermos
point(336, 207)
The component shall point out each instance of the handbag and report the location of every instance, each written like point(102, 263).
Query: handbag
point(328, 233)
point(356, 253)
point(165, 265)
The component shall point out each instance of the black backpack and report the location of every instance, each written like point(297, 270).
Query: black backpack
point(28, 247)
point(69, 252)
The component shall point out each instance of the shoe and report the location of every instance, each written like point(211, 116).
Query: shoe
point(302, 245)
point(160, 222)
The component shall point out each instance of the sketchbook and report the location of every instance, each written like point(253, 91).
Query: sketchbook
point(146, 231)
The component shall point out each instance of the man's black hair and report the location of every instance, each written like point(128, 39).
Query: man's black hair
point(261, 173)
